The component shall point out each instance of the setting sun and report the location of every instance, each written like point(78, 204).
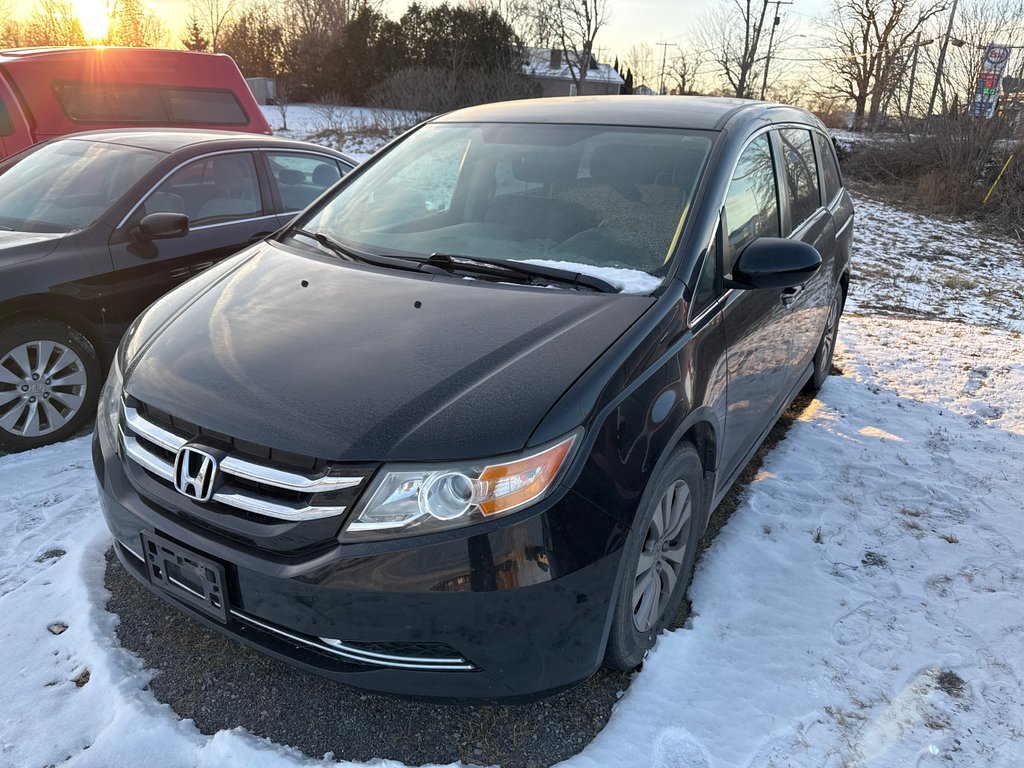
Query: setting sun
point(94, 17)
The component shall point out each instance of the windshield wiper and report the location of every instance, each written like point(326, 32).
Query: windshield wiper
point(393, 262)
point(485, 265)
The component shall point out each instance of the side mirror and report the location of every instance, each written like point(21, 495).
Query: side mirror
point(774, 262)
point(159, 226)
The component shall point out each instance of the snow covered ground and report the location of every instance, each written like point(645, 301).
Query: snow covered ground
point(357, 131)
point(863, 607)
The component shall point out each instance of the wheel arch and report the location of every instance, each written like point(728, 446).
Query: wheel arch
point(60, 309)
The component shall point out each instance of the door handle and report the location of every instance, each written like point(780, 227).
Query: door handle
point(789, 295)
point(257, 237)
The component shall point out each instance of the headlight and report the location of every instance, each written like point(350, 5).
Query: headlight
point(407, 500)
point(108, 414)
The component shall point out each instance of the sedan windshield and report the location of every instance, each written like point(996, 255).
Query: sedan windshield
point(605, 201)
point(69, 184)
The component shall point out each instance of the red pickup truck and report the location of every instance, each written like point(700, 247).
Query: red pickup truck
point(47, 92)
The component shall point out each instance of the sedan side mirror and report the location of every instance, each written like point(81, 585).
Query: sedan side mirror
point(159, 226)
point(774, 262)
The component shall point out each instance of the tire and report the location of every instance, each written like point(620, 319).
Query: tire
point(658, 563)
point(49, 383)
point(827, 346)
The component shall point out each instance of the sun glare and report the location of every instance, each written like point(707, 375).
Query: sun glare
point(93, 16)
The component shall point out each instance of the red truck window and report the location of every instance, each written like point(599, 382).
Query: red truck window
point(6, 126)
point(148, 104)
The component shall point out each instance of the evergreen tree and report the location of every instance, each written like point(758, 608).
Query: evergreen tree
point(627, 87)
point(615, 66)
point(194, 39)
point(256, 42)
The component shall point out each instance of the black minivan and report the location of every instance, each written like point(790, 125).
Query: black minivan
point(456, 430)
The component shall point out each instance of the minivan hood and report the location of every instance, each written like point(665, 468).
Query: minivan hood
point(316, 357)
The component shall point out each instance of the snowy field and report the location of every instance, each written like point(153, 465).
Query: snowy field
point(864, 606)
point(356, 131)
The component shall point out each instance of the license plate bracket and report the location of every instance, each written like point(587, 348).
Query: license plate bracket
point(191, 578)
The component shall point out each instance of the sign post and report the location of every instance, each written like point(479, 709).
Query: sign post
point(989, 81)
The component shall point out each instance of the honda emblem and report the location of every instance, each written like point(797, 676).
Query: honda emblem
point(194, 473)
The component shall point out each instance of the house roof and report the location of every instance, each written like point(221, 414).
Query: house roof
point(538, 64)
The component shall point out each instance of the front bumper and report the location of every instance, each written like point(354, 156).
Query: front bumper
point(524, 602)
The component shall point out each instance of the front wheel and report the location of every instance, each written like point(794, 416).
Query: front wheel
point(659, 561)
point(827, 346)
point(49, 382)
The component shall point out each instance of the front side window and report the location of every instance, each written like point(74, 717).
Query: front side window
point(302, 178)
point(801, 174)
point(752, 204)
point(68, 185)
point(590, 198)
point(211, 190)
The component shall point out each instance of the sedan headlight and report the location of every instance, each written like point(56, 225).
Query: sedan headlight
point(406, 500)
point(108, 414)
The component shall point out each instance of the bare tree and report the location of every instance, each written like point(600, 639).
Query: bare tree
point(684, 71)
point(576, 24)
point(733, 34)
point(54, 22)
point(641, 61)
point(872, 40)
point(283, 99)
point(529, 19)
point(215, 16)
point(134, 25)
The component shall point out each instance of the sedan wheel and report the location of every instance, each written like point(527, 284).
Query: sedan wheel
point(827, 346)
point(49, 380)
point(659, 560)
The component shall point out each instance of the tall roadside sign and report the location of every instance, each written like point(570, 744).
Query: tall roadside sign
point(989, 81)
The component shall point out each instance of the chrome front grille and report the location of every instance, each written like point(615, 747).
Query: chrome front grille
point(247, 485)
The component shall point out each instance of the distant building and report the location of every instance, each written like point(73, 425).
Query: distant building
point(643, 90)
point(264, 89)
point(547, 66)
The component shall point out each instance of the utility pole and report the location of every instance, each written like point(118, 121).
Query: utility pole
point(771, 41)
point(913, 69)
point(942, 58)
point(664, 55)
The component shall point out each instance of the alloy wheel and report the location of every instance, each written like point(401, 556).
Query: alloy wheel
point(663, 555)
point(42, 387)
point(829, 339)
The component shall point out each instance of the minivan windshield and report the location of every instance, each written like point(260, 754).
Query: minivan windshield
point(67, 185)
point(605, 201)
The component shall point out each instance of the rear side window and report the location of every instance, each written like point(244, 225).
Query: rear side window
point(829, 167)
point(752, 207)
point(801, 174)
point(6, 126)
point(187, 105)
point(302, 178)
point(148, 104)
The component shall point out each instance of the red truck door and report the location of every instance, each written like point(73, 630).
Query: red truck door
point(15, 134)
